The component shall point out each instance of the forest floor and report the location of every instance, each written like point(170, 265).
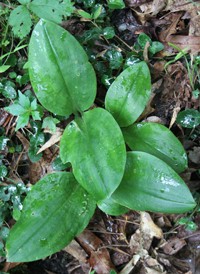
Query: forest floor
point(136, 242)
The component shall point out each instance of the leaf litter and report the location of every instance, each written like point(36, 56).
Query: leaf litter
point(135, 242)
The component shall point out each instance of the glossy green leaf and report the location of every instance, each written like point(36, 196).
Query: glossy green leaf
point(84, 14)
point(62, 78)
point(3, 171)
point(9, 92)
point(97, 11)
point(109, 206)
point(155, 47)
point(150, 184)
point(188, 118)
point(3, 68)
point(95, 146)
point(157, 140)
point(115, 58)
point(143, 39)
point(129, 93)
point(55, 211)
point(116, 4)
point(108, 32)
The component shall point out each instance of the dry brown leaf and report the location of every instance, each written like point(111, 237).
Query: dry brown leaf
point(55, 138)
point(174, 265)
point(37, 171)
point(163, 221)
point(140, 244)
point(136, 242)
point(8, 266)
point(148, 109)
point(194, 29)
point(76, 251)
point(152, 266)
point(194, 155)
point(147, 270)
point(173, 18)
point(143, 236)
point(174, 114)
point(192, 43)
point(23, 140)
point(175, 90)
point(149, 230)
point(131, 265)
point(173, 246)
point(180, 5)
point(136, 3)
point(4, 115)
point(42, 167)
point(99, 257)
point(152, 8)
point(157, 6)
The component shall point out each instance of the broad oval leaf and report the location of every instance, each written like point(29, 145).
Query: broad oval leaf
point(56, 209)
point(109, 206)
point(157, 140)
point(95, 146)
point(129, 93)
point(150, 184)
point(62, 78)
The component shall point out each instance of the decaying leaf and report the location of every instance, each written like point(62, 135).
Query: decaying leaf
point(130, 266)
point(140, 244)
point(174, 114)
point(23, 140)
point(3, 117)
point(182, 41)
point(55, 138)
point(157, 6)
point(173, 246)
point(194, 155)
point(149, 230)
point(79, 254)
point(99, 258)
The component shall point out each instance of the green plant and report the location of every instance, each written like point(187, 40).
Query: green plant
point(4, 67)
point(53, 10)
point(188, 223)
point(94, 15)
point(192, 66)
point(23, 108)
point(116, 4)
point(189, 118)
point(144, 40)
point(11, 199)
point(50, 123)
point(61, 204)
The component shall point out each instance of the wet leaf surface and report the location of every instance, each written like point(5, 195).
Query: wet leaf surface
point(159, 141)
point(160, 189)
point(87, 143)
point(129, 93)
point(175, 90)
point(53, 47)
point(50, 191)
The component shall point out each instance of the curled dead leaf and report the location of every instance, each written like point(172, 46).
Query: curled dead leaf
point(55, 138)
